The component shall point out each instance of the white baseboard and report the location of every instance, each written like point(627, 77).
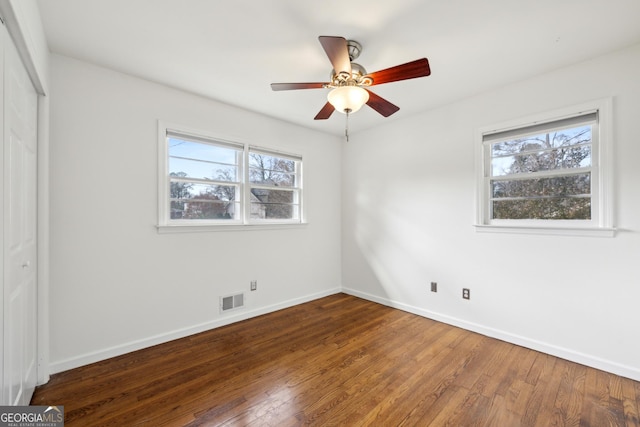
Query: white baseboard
point(88, 358)
point(564, 353)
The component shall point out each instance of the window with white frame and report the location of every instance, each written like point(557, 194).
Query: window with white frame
point(211, 181)
point(550, 172)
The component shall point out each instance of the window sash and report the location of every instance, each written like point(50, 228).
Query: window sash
point(294, 205)
point(556, 170)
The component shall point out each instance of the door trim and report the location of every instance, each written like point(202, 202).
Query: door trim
point(25, 29)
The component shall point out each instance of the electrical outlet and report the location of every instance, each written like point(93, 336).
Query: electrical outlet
point(434, 286)
point(254, 285)
point(466, 293)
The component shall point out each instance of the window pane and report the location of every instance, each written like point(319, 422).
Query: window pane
point(200, 160)
point(265, 177)
point(570, 185)
point(273, 211)
point(560, 158)
point(274, 204)
point(192, 190)
point(559, 149)
point(271, 170)
point(203, 209)
point(551, 208)
point(199, 201)
point(556, 139)
point(203, 170)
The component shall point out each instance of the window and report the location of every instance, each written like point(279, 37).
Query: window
point(546, 173)
point(208, 181)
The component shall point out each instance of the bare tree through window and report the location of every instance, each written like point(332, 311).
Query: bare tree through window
point(543, 176)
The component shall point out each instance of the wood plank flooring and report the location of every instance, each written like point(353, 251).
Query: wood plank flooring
point(340, 361)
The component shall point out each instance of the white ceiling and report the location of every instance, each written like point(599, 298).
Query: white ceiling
point(231, 51)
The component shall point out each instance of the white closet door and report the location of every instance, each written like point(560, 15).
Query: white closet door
point(19, 229)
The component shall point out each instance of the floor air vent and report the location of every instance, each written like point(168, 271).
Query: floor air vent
point(231, 302)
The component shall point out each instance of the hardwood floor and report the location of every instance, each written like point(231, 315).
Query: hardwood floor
point(340, 361)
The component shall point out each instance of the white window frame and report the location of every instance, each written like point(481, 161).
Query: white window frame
point(601, 222)
point(243, 220)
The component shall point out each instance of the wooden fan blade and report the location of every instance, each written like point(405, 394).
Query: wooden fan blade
point(381, 105)
point(410, 70)
point(293, 86)
point(338, 53)
point(325, 113)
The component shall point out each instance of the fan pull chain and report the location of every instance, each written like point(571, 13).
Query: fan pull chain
point(346, 127)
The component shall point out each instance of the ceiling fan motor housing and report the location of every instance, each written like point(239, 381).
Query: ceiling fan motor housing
point(356, 78)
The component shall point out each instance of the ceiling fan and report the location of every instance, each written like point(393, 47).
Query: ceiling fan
point(349, 80)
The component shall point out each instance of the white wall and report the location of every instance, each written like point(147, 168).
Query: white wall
point(408, 214)
point(118, 285)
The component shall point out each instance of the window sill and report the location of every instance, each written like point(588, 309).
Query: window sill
point(555, 231)
point(195, 228)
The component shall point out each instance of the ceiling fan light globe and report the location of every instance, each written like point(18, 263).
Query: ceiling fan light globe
point(350, 98)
